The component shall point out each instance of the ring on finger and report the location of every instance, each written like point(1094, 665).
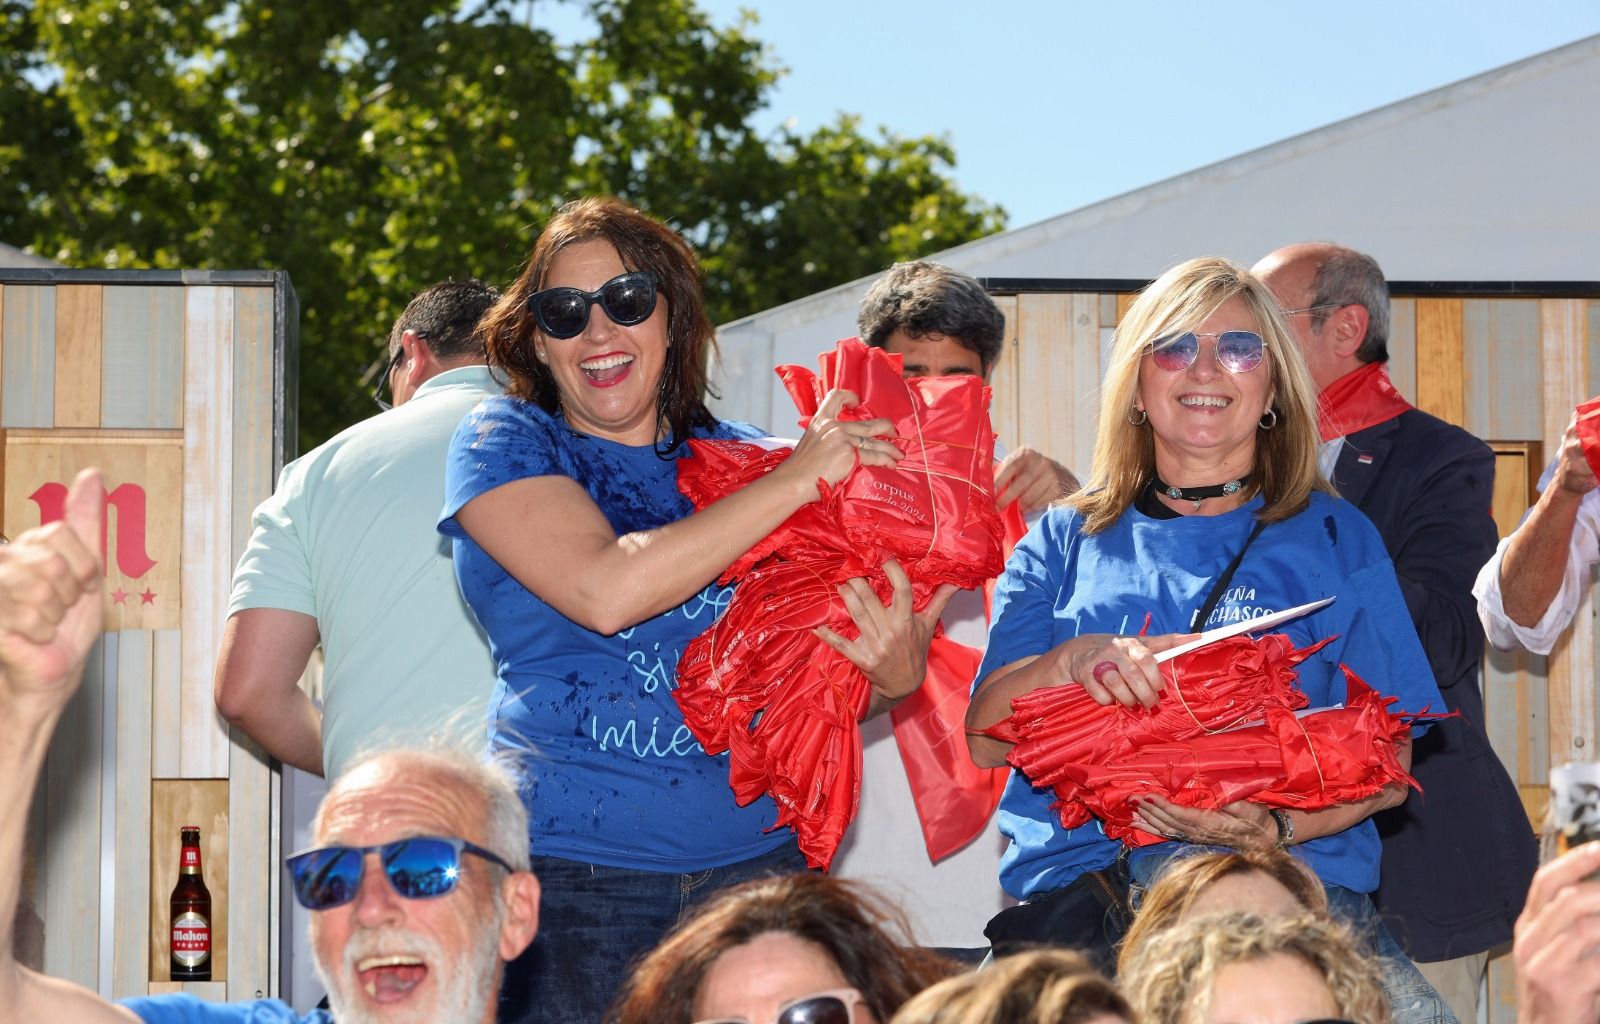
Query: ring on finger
point(1179, 836)
point(1099, 671)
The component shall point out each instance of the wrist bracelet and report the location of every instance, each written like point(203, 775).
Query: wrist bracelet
point(1285, 827)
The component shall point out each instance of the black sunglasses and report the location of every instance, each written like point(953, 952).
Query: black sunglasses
point(419, 868)
point(836, 1006)
point(383, 381)
point(628, 299)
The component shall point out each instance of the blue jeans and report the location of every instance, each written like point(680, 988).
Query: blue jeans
point(1411, 998)
point(595, 921)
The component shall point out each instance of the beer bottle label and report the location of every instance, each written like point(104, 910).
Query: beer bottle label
point(190, 862)
point(191, 939)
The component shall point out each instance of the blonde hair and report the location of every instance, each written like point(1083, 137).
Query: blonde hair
point(1170, 979)
point(1042, 986)
point(1186, 876)
point(1124, 452)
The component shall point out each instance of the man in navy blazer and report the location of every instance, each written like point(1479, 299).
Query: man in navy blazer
point(1458, 857)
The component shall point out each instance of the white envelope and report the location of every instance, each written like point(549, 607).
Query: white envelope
point(1255, 625)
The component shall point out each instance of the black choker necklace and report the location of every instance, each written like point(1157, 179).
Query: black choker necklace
point(1198, 494)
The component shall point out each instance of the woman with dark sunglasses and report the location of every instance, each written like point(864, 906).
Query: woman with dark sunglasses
point(589, 574)
point(1206, 508)
point(797, 949)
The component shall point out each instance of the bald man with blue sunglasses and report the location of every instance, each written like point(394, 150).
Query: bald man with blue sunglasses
point(419, 886)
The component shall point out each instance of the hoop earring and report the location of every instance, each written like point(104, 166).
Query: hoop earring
point(1143, 416)
point(1267, 424)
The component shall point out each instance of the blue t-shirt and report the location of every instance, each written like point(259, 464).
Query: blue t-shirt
point(615, 776)
point(186, 1009)
point(1060, 584)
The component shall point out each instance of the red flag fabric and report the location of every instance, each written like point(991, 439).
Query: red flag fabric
point(1228, 727)
point(758, 683)
point(1589, 432)
point(954, 797)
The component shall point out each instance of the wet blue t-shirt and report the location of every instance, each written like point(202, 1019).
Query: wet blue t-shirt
point(1059, 584)
point(615, 777)
point(187, 1009)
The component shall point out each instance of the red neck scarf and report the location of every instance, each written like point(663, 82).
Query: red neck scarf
point(1360, 399)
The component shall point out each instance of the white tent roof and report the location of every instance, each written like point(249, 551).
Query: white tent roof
point(1489, 179)
point(10, 256)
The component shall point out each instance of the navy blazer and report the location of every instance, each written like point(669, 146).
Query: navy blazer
point(1457, 857)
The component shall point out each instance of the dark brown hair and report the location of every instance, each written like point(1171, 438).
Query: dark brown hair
point(865, 936)
point(1040, 986)
point(642, 243)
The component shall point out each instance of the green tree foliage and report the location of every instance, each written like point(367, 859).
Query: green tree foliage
point(373, 148)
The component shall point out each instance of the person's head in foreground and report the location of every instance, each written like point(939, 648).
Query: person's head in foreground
point(1336, 301)
point(419, 887)
point(795, 949)
point(1204, 386)
point(1233, 968)
point(939, 320)
point(607, 326)
point(1041, 986)
point(1260, 882)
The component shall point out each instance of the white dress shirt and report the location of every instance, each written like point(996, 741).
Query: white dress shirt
point(1582, 555)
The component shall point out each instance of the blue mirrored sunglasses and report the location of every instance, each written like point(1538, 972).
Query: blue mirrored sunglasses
point(418, 868)
point(1237, 351)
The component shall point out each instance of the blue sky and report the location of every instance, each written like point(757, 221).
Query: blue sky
point(1053, 105)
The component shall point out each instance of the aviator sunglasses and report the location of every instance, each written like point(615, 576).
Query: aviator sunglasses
point(1237, 351)
point(418, 868)
point(628, 299)
point(836, 1006)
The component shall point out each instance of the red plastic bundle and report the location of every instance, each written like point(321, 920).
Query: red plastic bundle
point(1589, 432)
point(758, 683)
point(1225, 729)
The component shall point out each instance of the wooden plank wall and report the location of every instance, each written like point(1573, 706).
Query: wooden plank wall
point(1509, 370)
point(168, 388)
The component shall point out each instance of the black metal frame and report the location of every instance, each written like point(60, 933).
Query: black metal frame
point(1400, 289)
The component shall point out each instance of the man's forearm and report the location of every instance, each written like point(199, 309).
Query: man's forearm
point(22, 750)
point(263, 653)
point(1536, 557)
point(290, 729)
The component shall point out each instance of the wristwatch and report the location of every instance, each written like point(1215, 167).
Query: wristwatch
point(1285, 826)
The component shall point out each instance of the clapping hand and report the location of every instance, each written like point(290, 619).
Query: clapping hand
point(1573, 471)
point(1557, 945)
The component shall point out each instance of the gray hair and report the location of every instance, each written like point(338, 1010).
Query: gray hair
point(492, 777)
point(922, 298)
point(1346, 277)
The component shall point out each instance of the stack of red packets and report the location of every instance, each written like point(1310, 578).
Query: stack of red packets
point(759, 684)
point(1229, 726)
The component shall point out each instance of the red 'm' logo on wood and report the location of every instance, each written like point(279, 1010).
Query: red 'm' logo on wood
point(133, 560)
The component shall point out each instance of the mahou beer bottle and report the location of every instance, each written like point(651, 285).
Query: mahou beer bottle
point(191, 914)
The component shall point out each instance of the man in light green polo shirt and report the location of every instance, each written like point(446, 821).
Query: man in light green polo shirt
point(345, 554)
